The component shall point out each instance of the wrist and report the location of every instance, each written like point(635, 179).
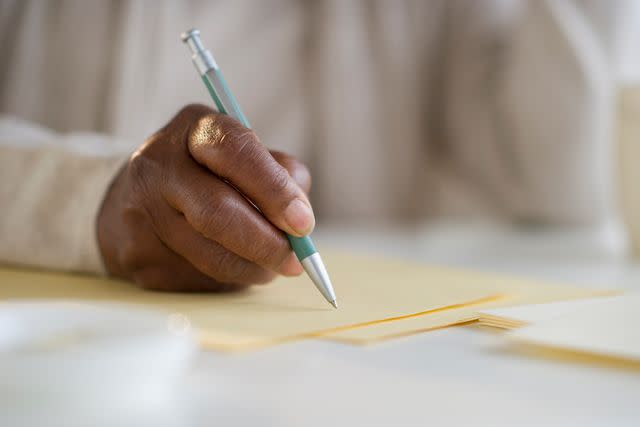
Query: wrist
point(107, 223)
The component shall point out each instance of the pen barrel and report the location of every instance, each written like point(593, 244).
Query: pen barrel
point(302, 246)
point(224, 99)
point(212, 92)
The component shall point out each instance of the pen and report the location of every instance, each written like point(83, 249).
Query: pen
point(212, 77)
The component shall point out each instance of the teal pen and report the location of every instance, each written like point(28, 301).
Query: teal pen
point(212, 77)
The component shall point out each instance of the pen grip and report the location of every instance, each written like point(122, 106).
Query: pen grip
point(302, 246)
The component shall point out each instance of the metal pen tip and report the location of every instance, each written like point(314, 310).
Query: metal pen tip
point(316, 270)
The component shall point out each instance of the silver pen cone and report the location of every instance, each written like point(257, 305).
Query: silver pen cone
point(316, 270)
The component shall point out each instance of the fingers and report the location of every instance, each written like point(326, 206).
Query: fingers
point(233, 152)
point(175, 274)
point(152, 265)
point(297, 170)
point(171, 224)
point(210, 257)
point(216, 214)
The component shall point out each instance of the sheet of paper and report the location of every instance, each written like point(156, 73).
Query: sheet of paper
point(369, 290)
point(606, 328)
point(514, 291)
point(522, 315)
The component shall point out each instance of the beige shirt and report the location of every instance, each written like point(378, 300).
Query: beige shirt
point(403, 109)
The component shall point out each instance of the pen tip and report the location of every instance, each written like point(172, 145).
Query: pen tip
point(334, 304)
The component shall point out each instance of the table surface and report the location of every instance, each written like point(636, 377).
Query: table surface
point(452, 377)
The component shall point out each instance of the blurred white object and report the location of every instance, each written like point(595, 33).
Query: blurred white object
point(92, 358)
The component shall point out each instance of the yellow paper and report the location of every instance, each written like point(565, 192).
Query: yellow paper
point(368, 290)
point(522, 315)
point(514, 291)
point(607, 327)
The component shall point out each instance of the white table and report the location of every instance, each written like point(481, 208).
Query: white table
point(453, 377)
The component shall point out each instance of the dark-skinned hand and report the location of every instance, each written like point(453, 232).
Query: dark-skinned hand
point(181, 214)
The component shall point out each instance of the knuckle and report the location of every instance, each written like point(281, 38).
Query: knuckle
point(242, 149)
point(296, 169)
point(238, 148)
point(144, 204)
point(222, 140)
point(206, 132)
point(138, 165)
point(215, 219)
point(270, 254)
point(141, 172)
point(231, 268)
point(280, 181)
point(211, 262)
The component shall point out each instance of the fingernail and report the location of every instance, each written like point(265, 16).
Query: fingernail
point(291, 266)
point(300, 217)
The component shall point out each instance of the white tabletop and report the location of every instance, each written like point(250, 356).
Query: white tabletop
point(452, 377)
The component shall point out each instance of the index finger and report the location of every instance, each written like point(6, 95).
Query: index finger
point(234, 153)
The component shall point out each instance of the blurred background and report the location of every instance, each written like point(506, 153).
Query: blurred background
point(404, 110)
point(497, 135)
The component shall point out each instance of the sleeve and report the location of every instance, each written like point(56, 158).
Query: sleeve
point(531, 112)
point(51, 189)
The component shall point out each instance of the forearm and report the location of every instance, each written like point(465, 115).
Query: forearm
point(51, 188)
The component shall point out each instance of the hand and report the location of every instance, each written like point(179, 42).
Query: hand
point(179, 215)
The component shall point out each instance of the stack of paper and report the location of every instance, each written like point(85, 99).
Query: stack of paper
point(378, 299)
point(513, 291)
point(603, 327)
point(523, 315)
